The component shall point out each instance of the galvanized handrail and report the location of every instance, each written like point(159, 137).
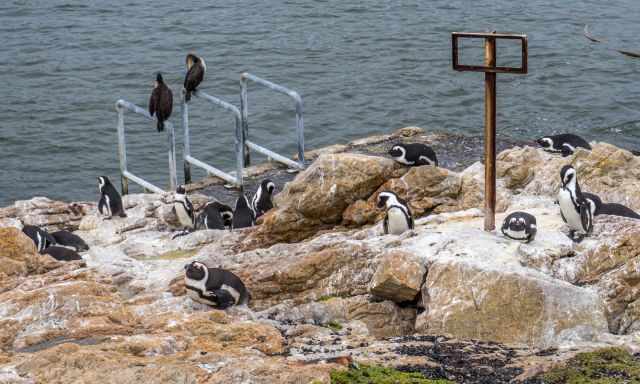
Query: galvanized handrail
point(244, 79)
point(125, 175)
point(239, 148)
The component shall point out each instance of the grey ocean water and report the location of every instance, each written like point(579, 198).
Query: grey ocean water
point(362, 68)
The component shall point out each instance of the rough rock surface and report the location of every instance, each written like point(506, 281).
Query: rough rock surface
point(399, 276)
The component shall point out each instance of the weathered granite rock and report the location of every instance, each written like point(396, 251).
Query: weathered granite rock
point(472, 190)
point(399, 276)
point(19, 257)
point(52, 214)
point(516, 167)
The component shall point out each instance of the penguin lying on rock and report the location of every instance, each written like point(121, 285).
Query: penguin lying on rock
point(40, 237)
point(398, 217)
point(414, 154)
point(216, 287)
point(564, 144)
point(520, 226)
point(598, 207)
point(69, 239)
point(62, 253)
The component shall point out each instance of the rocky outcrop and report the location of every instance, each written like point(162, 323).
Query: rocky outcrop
point(398, 277)
point(42, 211)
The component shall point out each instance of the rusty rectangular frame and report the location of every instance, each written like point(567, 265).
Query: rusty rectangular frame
point(497, 36)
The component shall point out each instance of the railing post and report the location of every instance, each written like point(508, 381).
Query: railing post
point(122, 150)
point(490, 135)
point(187, 144)
point(171, 138)
point(244, 108)
point(299, 128)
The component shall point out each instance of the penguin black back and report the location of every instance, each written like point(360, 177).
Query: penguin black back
point(161, 102)
point(598, 207)
point(110, 203)
point(565, 143)
point(69, 239)
point(211, 216)
point(414, 154)
point(243, 215)
point(262, 199)
point(196, 68)
point(40, 237)
point(214, 286)
point(62, 253)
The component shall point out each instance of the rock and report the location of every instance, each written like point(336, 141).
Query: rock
point(45, 212)
point(399, 277)
point(316, 198)
point(516, 166)
point(472, 190)
point(471, 301)
point(19, 256)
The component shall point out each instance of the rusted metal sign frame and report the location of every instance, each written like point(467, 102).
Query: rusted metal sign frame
point(490, 70)
point(125, 175)
point(244, 79)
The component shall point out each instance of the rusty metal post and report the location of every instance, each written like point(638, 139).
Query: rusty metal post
point(490, 135)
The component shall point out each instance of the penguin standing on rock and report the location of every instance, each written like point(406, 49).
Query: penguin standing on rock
point(414, 154)
point(161, 102)
point(564, 144)
point(243, 215)
point(214, 286)
point(598, 207)
point(41, 238)
point(261, 201)
point(68, 239)
point(574, 208)
point(520, 226)
point(110, 203)
point(398, 218)
point(184, 211)
point(211, 216)
point(196, 68)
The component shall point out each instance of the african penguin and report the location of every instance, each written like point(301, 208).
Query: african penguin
point(413, 154)
point(160, 102)
point(214, 286)
point(227, 215)
point(211, 216)
point(261, 201)
point(598, 207)
point(196, 68)
point(398, 217)
point(110, 203)
point(62, 253)
point(564, 144)
point(520, 226)
point(184, 210)
point(243, 215)
point(574, 208)
point(41, 238)
point(69, 239)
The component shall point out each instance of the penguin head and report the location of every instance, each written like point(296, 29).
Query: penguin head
point(517, 223)
point(180, 190)
point(268, 186)
point(545, 142)
point(226, 213)
point(568, 176)
point(196, 271)
point(103, 181)
point(398, 151)
point(386, 198)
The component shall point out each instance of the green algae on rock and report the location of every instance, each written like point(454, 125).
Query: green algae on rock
point(604, 366)
point(366, 374)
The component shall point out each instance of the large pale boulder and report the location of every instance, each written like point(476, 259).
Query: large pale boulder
point(399, 276)
point(53, 214)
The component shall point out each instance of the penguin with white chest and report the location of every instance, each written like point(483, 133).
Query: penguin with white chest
point(564, 144)
point(598, 207)
point(184, 211)
point(110, 203)
point(414, 154)
point(262, 201)
point(216, 287)
point(574, 208)
point(41, 238)
point(398, 218)
point(243, 215)
point(520, 226)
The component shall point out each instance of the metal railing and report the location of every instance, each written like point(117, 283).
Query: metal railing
point(239, 148)
point(125, 175)
point(244, 79)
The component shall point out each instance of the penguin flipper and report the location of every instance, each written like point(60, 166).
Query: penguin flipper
point(562, 215)
point(585, 218)
point(385, 225)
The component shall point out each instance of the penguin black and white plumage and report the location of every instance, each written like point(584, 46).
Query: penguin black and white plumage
point(227, 215)
point(161, 102)
point(574, 208)
point(564, 144)
point(62, 253)
point(211, 216)
point(41, 238)
point(110, 203)
point(184, 209)
point(243, 215)
point(413, 154)
point(261, 201)
point(69, 239)
point(196, 68)
point(520, 226)
point(214, 286)
point(598, 207)
point(398, 218)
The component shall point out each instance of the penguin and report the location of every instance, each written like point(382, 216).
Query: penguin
point(261, 201)
point(227, 215)
point(184, 210)
point(211, 216)
point(62, 253)
point(574, 208)
point(243, 215)
point(414, 154)
point(520, 226)
point(110, 203)
point(398, 218)
point(196, 68)
point(598, 207)
point(41, 238)
point(160, 102)
point(216, 287)
point(68, 239)
point(564, 144)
